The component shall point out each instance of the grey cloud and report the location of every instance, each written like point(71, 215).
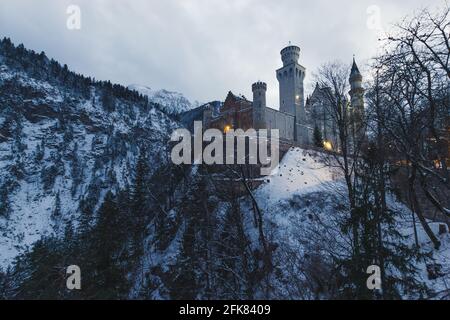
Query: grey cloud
point(202, 48)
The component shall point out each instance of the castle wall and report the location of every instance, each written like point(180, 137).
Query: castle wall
point(303, 134)
point(282, 121)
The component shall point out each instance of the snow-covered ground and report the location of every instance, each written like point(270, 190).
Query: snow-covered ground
point(299, 172)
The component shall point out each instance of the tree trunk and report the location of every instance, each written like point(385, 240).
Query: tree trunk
point(418, 210)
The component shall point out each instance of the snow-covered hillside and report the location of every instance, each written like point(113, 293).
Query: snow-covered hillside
point(61, 151)
point(171, 102)
point(303, 201)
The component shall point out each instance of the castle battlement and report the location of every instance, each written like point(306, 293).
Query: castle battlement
point(259, 86)
point(290, 54)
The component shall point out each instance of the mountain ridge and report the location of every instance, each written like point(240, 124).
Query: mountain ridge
point(172, 102)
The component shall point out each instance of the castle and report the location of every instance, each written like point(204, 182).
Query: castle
point(296, 118)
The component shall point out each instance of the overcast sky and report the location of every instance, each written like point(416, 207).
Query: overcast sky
point(202, 48)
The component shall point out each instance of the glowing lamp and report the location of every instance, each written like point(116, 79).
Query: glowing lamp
point(328, 145)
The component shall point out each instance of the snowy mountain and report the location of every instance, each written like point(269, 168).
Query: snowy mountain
point(86, 179)
point(171, 102)
point(63, 146)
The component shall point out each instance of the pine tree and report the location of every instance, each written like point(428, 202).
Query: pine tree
point(108, 100)
point(379, 241)
point(40, 151)
point(38, 273)
point(139, 200)
point(105, 260)
point(4, 284)
point(187, 282)
point(5, 188)
point(56, 214)
point(236, 266)
point(318, 140)
point(184, 284)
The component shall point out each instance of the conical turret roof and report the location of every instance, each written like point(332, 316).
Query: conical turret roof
point(355, 74)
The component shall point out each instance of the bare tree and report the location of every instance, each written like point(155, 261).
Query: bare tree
point(334, 77)
point(413, 74)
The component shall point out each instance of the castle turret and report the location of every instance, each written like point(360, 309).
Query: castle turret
point(357, 99)
point(290, 55)
point(355, 77)
point(259, 105)
point(207, 116)
point(290, 78)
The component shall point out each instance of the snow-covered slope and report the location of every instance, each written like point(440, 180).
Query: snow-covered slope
point(60, 151)
point(171, 102)
point(303, 201)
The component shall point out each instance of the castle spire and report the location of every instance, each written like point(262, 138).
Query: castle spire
point(355, 69)
point(357, 101)
point(355, 75)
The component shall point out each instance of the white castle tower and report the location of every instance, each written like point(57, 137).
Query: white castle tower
point(357, 90)
point(259, 105)
point(290, 78)
point(357, 101)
